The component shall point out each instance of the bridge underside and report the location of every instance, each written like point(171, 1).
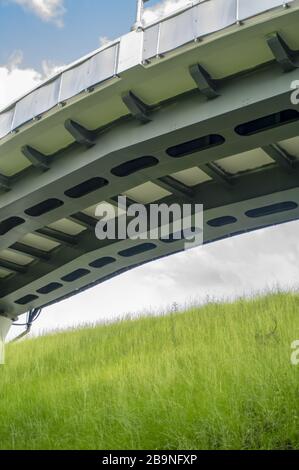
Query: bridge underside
point(237, 154)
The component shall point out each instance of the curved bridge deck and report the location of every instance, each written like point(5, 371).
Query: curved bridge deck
point(190, 109)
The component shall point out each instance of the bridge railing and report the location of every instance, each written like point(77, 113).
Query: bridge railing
point(82, 76)
point(196, 21)
point(201, 19)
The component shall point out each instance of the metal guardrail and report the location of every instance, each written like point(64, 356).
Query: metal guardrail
point(69, 83)
point(206, 17)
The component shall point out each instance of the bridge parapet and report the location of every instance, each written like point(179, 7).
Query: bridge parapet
point(138, 47)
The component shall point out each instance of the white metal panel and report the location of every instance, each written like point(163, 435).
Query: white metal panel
point(150, 41)
point(245, 161)
point(16, 257)
point(74, 81)
point(100, 67)
point(254, 7)
point(67, 226)
point(146, 193)
point(103, 65)
point(36, 241)
point(91, 211)
point(291, 146)
point(177, 31)
point(215, 15)
point(130, 51)
point(36, 103)
point(205, 18)
point(191, 177)
point(6, 122)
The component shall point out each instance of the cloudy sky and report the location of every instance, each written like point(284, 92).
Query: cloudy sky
point(40, 36)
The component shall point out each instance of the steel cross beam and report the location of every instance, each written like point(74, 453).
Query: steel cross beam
point(266, 92)
point(68, 188)
point(217, 200)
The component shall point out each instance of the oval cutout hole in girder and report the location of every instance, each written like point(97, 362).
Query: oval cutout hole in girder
point(222, 221)
point(102, 262)
point(26, 300)
point(137, 250)
point(196, 145)
point(10, 223)
point(49, 288)
point(180, 236)
point(268, 122)
point(133, 166)
point(73, 276)
point(86, 187)
point(44, 207)
point(271, 209)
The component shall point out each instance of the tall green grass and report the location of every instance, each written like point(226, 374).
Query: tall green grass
point(215, 377)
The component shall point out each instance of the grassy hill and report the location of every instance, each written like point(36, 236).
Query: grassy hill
point(217, 377)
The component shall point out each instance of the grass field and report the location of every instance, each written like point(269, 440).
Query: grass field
point(216, 377)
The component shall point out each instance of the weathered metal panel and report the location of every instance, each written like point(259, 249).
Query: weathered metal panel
point(130, 51)
point(36, 103)
point(255, 7)
point(6, 122)
point(150, 41)
point(95, 70)
point(215, 15)
point(177, 31)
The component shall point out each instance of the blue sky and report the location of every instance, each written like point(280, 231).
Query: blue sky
point(84, 22)
point(37, 37)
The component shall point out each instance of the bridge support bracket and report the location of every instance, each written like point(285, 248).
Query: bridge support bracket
point(36, 158)
point(205, 83)
point(4, 183)
point(283, 55)
point(137, 108)
point(81, 134)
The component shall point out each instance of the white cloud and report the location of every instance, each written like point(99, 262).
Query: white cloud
point(16, 80)
point(15, 60)
point(49, 68)
point(104, 40)
point(164, 8)
point(47, 10)
point(244, 265)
